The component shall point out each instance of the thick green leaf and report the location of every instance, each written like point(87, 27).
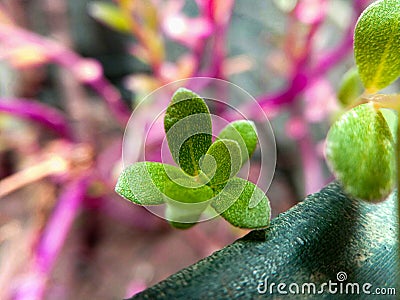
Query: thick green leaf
point(222, 161)
point(377, 44)
point(243, 204)
point(174, 191)
point(244, 133)
point(144, 183)
point(360, 151)
point(350, 87)
point(109, 14)
point(391, 118)
point(187, 125)
point(185, 205)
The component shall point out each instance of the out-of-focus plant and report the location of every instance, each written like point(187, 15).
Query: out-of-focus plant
point(151, 22)
point(68, 158)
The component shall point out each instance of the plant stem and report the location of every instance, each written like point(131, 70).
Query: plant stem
point(41, 113)
point(87, 71)
point(54, 165)
point(312, 171)
point(53, 237)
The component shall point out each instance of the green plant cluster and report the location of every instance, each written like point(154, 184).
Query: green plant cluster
point(361, 145)
point(206, 177)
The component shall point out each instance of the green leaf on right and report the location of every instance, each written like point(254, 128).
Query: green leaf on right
point(243, 204)
point(377, 44)
point(187, 124)
point(391, 118)
point(360, 151)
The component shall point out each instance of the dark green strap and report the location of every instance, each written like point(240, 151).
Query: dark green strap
point(312, 242)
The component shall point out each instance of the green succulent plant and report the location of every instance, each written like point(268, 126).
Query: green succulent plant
point(205, 177)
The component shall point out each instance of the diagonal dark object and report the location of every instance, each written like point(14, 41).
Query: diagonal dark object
point(326, 234)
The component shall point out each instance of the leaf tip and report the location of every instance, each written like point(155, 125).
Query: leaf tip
point(122, 187)
point(183, 93)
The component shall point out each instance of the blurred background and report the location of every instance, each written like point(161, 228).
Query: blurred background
point(71, 73)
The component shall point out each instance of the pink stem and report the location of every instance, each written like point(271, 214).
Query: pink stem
point(313, 176)
point(299, 78)
point(330, 59)
point(53, 237)
point(43, 114)
point(219, 29)
point(298, 83)
point(304, 74)
point(60, 222)
point(57, 53)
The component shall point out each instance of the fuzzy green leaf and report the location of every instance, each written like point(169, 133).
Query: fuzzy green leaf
point(391, 118)
point(222, 161)
point(377, 44)
point(350, 87)
point(187, 125)
point(110, 15)
point(144, 183)
point(243, 204)
point(185, 205)
point(360, 151)
point(176, 192)
point(244, 133)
